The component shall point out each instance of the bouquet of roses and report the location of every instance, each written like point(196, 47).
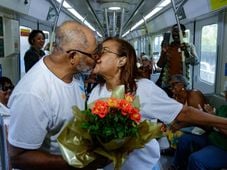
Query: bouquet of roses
point(110, 127)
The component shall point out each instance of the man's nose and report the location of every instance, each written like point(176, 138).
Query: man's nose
point(96, 57)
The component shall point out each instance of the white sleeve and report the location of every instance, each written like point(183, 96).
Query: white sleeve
point(155, 103)
point(28, 122)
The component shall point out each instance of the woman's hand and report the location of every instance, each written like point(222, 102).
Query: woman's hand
point(209, 109)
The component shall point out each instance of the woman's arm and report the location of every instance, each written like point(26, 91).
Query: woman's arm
point(195, 116)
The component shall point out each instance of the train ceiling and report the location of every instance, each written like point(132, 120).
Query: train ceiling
point(113, 22)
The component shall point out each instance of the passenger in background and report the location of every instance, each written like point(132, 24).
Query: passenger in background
point(36, 40)
point(171, 58)
point(139, 60)
point(117, 66)
point(147, 66)
point(6, 88)
point(188, 97)
point(42, 101)
point(207, 151)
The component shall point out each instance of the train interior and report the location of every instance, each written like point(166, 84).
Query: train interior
point(141, 22)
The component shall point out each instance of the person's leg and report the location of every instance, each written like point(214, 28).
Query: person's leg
point(185, 146)
point(210, 157)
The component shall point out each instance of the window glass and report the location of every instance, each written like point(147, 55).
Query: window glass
point(157, 47)
point(135, 44)
point(143, 45)
point(187, 36)
point(208, 53)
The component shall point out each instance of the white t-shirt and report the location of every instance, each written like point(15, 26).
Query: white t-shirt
point(4, 113)
point(155, 104)
point(39, 106)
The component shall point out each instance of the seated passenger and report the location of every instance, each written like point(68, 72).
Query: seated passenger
point(207, 151)
point(6, 87)
point(147, 67)
point(189, 97)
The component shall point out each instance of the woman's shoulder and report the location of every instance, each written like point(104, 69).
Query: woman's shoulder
point(195, 92)
point(146, 85)
point(145, 82)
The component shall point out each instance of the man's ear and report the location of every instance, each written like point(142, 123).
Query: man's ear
point(72, 57)
point(122, 61)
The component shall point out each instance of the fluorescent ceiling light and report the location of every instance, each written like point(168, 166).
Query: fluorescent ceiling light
point(91, 27)
point(114, 8)
point(137, 24)
point(125, 33)
point(76, 14)
point(158, 7)
point(65, 4)
point(98, 34)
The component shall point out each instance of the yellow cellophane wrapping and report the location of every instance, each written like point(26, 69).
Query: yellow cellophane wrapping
point(79, 150)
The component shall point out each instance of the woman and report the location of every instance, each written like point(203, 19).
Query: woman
point(192, 97)
point(117, 66)
point(6, 88)
point(36, 39)
point(188, 97)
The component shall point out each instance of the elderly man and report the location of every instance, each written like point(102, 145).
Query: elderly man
point(42, 101)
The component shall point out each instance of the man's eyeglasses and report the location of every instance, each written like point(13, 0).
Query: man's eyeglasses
point(82, 52)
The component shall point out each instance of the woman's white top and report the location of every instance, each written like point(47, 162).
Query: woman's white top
point(155, 104)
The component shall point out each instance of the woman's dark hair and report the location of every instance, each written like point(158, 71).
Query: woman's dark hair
point(4, 81)
point(33, 34)
point(129, 72)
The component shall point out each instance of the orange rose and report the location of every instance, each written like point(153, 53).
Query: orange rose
point(112, 102)
point(135, 115)
point(100, 108)
point(125, 107)
point(129, 97)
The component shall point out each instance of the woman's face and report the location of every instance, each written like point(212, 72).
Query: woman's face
point(176, 88)
point(38, 41)
point(107, 64)
point(5, 93)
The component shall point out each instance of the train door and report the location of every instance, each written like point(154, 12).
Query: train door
point(24, 45)
point(206, 40)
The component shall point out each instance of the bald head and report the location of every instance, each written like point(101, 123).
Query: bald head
point(73, 35)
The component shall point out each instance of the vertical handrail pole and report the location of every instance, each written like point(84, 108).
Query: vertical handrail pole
point(107, 23)
point(181, 37)
point(55, 25)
